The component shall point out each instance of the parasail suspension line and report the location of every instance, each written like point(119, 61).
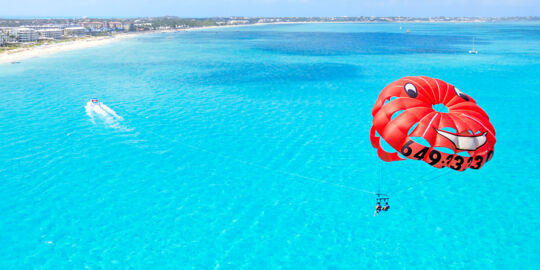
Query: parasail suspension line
point(255, 165)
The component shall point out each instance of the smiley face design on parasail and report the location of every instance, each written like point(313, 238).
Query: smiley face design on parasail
point(404, 115)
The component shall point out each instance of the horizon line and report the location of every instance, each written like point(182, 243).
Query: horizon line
point(244, 16)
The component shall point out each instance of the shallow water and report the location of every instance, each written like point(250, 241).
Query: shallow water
point(248, 148)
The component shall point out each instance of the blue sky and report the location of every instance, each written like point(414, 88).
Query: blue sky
point(209, 8)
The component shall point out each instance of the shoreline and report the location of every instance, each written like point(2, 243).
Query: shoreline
point(19, 54)
point(16, 55)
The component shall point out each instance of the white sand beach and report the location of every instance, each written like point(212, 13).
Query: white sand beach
point(23, 53)
point(20, 54)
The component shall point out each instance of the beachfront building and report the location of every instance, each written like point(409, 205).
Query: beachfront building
point(45, 26)
point(143, 26)
point(3, 38)
point(8, 35)
point(51, 33)
point(26, 35)
point(94, 26)
point(115, 25)
point(74, 31)
point(266, 20)
point(233, 22)
point(128, 27)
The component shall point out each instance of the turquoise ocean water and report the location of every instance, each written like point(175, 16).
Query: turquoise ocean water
point(248, 148)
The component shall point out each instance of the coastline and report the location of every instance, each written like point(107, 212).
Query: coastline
point(20, 54)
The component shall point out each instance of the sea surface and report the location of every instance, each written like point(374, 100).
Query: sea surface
point(248, 148)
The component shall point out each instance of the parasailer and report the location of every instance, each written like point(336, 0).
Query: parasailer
point(378, 208)
point(427, 119)
point(386, 207)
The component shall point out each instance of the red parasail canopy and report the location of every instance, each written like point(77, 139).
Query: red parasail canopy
point(404, 112)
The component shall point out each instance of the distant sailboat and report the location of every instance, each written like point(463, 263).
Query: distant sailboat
point(473, 51)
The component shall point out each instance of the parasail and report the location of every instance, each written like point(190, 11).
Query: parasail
point(405, 117)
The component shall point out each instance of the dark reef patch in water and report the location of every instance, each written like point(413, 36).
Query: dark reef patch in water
point(328, 44)
point(522, 32)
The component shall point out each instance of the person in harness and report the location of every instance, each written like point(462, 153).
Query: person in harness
point(386, 207)
point(379, 207)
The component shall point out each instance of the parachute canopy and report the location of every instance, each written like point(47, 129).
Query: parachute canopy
point(405, 118)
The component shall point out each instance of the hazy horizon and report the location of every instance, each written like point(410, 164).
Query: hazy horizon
point(187, 17)
point(268, 8)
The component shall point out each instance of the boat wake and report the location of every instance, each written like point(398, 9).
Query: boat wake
point(102, 113)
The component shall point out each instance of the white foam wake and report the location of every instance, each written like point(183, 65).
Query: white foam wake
point(101, 112)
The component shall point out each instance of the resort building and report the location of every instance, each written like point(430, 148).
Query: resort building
point(94, 26)
point(3, 38)
point(8, 35)
point(128, 27)
point(238, 22)
point(50, 33)
point(45, 26)
point(26, 35)
point(143, 26)
point(266, 20)
point(74, 31)
point(115, 25)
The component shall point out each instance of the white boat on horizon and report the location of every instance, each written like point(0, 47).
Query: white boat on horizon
point(473, 51)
